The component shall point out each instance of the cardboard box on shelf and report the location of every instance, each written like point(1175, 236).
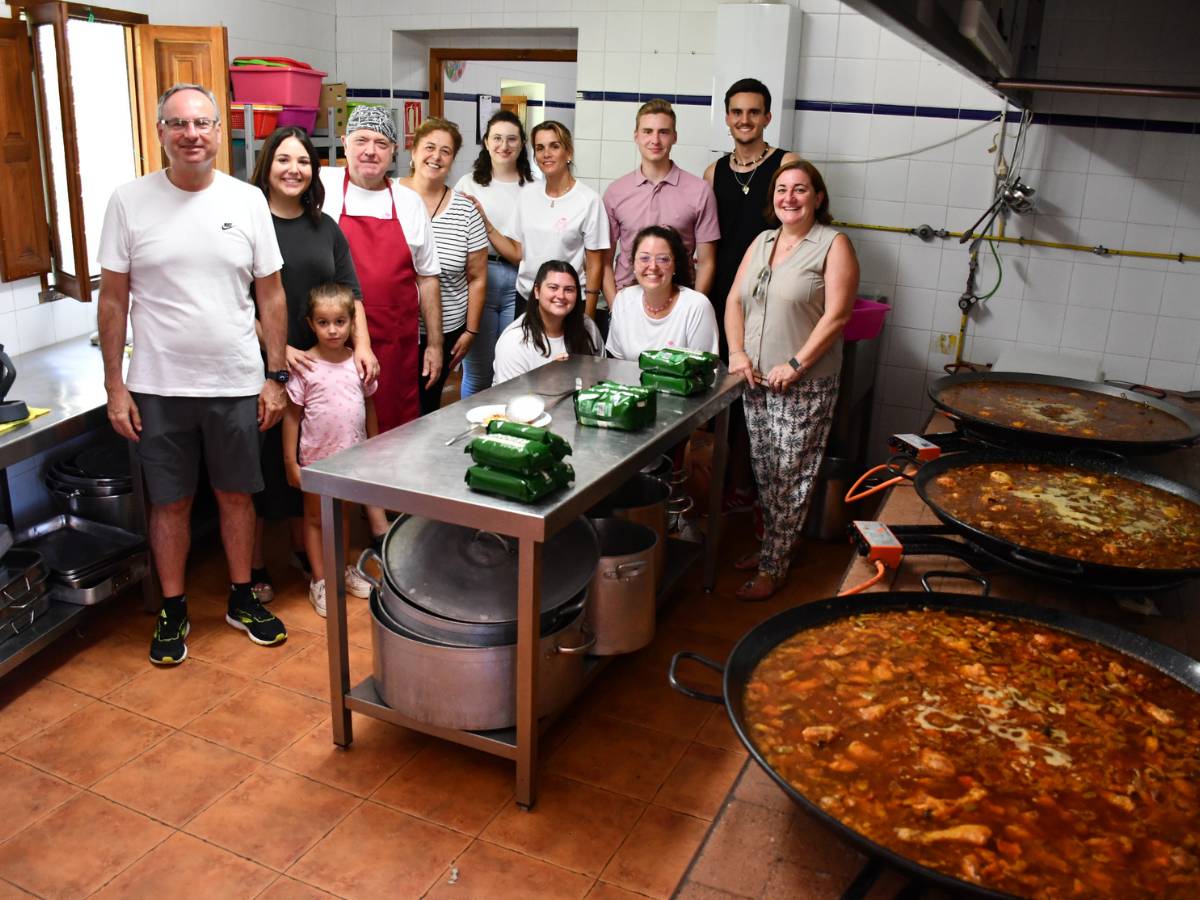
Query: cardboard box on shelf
point(333, 96)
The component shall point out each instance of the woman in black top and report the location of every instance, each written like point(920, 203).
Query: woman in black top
point(315, 252)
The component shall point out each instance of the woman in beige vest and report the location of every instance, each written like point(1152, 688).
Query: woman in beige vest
point(791, 298)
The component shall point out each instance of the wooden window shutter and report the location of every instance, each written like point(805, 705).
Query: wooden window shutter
point(24, 232)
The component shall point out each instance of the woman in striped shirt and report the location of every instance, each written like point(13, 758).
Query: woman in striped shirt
point(462, 246)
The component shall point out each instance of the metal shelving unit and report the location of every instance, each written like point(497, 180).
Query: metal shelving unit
point(327, 140)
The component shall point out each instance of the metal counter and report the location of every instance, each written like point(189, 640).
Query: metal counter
point(68, 378)
point(411, 470)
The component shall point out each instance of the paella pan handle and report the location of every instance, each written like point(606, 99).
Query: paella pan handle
point(1070, 568)
point(1140, 388)
point(981, 580)
point(368, 554)
point(684, 689)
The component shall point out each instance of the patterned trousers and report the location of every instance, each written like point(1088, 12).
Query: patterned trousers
point(788, 432)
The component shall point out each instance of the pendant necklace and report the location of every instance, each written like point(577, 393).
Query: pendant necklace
point(746, 186)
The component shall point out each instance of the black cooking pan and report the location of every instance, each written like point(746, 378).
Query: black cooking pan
point(1064, 568)
point(764, 637)
point(998, 433)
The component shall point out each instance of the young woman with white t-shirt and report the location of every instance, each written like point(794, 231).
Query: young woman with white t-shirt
point(501, 172)
point(552, 328)
point(561, 218)
point(661, 310)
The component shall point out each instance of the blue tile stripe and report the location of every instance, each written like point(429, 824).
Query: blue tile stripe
point(873, 109)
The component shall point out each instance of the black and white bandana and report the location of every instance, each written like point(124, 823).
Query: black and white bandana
point(372, 118)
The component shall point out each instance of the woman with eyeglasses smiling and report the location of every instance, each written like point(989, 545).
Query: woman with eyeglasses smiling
point(661, 310)
point(792, 296)
point(501, 171)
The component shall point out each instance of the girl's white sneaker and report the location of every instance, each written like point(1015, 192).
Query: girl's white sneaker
point(316, 596)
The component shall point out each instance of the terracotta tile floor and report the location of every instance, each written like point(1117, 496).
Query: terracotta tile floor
point(219, 777)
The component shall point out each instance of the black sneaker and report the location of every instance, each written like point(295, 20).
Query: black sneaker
point(167, 647)
point(252, 617)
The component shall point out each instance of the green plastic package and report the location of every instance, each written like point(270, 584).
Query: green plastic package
point(608, 404)
point(524, 488)
point(679, 361)
point(558, 445)
point(511, 454)
point(683, 385)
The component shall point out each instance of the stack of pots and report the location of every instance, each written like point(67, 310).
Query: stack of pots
point(95, 484)
point(444, 617)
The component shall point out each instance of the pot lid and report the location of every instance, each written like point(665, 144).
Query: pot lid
point(470, 575)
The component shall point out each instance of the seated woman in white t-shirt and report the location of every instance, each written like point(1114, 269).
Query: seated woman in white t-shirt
point(552, 328)
point(661, 310)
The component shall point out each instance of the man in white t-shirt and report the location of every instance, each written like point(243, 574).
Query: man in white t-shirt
point(178, 252)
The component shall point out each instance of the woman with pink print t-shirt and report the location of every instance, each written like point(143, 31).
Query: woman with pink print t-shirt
point(329, 409)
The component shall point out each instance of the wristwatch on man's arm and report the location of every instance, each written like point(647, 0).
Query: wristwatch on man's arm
point(797, 366)
point(280, 375)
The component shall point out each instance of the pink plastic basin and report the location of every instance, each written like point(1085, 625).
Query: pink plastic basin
point(285, 85)
point(866, 321)
point(301, 116)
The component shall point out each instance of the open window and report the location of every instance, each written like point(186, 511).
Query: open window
point(97, 76)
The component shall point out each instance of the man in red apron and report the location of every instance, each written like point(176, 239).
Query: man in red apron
point(392, 244)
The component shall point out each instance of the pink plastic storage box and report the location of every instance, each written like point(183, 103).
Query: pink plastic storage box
point(866, 321)
point(286, 85)
point(301, 116)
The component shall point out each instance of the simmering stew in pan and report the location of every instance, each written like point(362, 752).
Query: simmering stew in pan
point(1064, 511)
point(1055, 409)
point(997, 751)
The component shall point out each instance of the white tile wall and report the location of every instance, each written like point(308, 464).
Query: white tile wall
point(1123, 189)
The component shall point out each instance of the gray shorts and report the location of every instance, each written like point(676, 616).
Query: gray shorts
point(176, 429)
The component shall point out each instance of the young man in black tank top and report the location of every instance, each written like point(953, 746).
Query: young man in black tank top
point(740, 181)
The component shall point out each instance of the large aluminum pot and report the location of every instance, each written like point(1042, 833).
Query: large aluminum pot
point(112, 509)
point(621, 599)
point(641, 499)
point(472, 688)
point(458, 585)
point(451, 631)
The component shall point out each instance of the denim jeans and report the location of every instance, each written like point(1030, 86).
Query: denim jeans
point(498, 307)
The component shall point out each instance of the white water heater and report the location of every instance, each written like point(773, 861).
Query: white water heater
point(757, 40)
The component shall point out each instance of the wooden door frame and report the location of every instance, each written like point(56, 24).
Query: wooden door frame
point(439, 55)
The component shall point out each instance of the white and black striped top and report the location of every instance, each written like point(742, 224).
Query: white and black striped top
point(459, 230)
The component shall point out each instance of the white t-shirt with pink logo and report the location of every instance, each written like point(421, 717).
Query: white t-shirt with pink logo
point(557, 228)
point(335, 410)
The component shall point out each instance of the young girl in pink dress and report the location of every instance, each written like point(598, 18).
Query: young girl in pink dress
point(329, 409)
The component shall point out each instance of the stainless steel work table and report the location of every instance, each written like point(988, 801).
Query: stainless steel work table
point(411, 470)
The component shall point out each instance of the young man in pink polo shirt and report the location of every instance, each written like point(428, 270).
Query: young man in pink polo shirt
point(658, 192)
